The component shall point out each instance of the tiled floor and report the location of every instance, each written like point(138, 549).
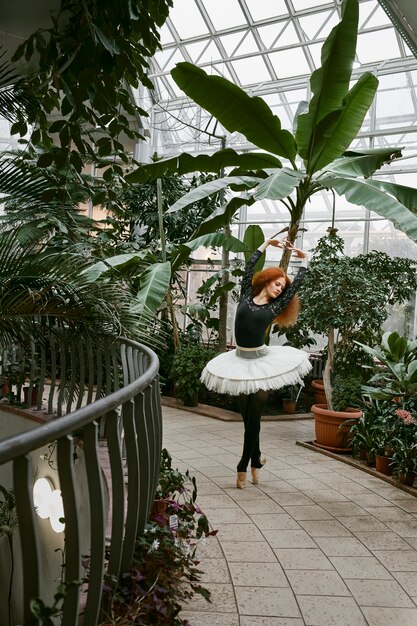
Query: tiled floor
point(316, 543)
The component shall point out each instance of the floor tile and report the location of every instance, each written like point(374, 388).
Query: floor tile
point(404, 529)
point(317, 583)
point(253, 552)
point(199, 618)
point(261, 506)
point(315, 535)
point(265, 601)
point(281, 521)
point(389, 513)
point(365, 523)
point(270, 621)
point(342, 546)
point(302, 558)
point(239, 532)
point(398, 561)
point(308, 512)
point(359, 567)
point(383, 593)
point(343, 509)
point(326, 528)
point(226, 516)
point(289, 539)
point(382, 541)
point(291, 498)
point(389, 616)
point(330, 611)
point(407, 504)
point(246, 574)
point(408, 582)
point(222, 600)
point(209, 548)
point(214, 571)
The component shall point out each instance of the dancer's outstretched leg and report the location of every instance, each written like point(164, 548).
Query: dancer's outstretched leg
point(256, 403)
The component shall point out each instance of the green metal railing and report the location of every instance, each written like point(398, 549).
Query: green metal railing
point(118, 383)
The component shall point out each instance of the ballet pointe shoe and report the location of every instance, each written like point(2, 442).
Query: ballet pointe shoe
point(255, 475)
point(241, 480)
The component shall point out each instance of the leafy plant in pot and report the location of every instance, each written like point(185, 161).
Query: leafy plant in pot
point(344, 299)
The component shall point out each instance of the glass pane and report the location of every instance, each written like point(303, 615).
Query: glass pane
point(187, 19)
point(278, 35)
point(251, 70)
point(377, 46)
point(266, 9)
point(313, 25)
point(224, 14)
point(289, 62)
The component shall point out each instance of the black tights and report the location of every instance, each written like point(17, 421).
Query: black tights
point(251, 407)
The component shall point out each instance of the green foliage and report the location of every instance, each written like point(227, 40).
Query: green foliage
point(93, 50)
point(188, 363)
point(395, 375)
point(350, 295)
point(346, 392)
point(165, 571)
point(325, 127)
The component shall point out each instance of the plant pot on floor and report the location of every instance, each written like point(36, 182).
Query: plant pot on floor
point(33, 398)
point(318, 390)
point(289, 406)
point(406, 478)
point(383, 464)
point(331, 432)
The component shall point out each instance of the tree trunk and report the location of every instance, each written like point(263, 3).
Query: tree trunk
point(224, 298)
point(328, 368)
point(291, 236)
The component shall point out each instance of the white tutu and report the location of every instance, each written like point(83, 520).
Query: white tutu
point(232, 374)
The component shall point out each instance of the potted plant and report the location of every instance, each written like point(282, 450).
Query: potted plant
point(187, 365)
point(290, 398)
point(344, 299)
point(404, 461)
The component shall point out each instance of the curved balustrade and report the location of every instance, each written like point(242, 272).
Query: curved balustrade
point(118, 383)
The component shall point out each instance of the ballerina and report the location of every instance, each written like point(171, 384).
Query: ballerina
point(253, 369)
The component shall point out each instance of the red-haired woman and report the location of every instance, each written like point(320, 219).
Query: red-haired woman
point(253, 369)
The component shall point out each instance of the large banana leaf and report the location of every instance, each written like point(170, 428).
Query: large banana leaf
point(405, 195)
point(212, 187)
point(186, 163)
point(338, 129)
point(372, 195)
point(278, 185)
point(329, 83)
point(253, 238)
point(154, 284)
point(363, 163)
point(119, 262)
point(235, 110)
point(222, 216)
point(211, 240)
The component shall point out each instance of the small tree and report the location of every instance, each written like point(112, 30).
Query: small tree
point(345, 300)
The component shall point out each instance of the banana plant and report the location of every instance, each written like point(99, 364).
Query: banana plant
point(314, 158)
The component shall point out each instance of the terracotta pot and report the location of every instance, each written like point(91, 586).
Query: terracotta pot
point(330, 433)
point(383, 464)
point(370, 459)
point(406, 479)
point(318, 390)
point(362, 455)
point(34, 397)
point(289, 406)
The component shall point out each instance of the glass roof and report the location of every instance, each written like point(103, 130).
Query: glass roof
point(270, 48)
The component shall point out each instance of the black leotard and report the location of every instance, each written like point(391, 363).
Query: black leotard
point(252, 319)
